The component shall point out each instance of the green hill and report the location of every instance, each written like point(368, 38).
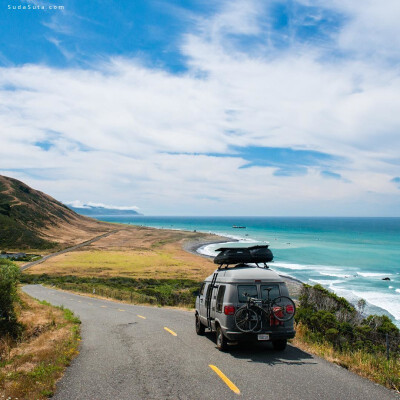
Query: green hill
point(30, 219)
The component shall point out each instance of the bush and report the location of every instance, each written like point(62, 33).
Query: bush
point(333, 319)
point(165, 292)
point(9, 276)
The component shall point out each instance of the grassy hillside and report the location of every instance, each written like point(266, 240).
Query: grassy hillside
point(30, 219)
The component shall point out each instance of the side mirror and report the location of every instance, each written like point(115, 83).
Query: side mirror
point(196, 293)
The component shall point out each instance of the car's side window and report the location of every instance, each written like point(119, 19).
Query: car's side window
point(202, 288)
point(245, 291)
point(208, 294)
point(220, 298)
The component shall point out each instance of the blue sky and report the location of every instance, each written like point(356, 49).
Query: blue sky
point(171, 106)
point(85, 32)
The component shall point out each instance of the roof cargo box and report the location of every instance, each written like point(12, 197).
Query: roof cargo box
point(235, 255)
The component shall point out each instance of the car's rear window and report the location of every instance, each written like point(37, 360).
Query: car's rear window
point(245, 291)
point(273, 293)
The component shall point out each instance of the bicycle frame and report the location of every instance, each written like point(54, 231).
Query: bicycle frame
point(263, 309)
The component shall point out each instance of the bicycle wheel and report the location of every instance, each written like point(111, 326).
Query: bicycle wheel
point(246, 319)
point(283, 308)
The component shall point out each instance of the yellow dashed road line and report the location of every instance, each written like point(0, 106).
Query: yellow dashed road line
point(103, 306)
point(171, 332)
point(226, 380)
point(120, 310)
point(141, 316)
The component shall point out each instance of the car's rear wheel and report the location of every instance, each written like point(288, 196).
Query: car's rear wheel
point(280, 344)
point(200, 328)
point(222, 342)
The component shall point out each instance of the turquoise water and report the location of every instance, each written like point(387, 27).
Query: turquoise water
point(350, 256)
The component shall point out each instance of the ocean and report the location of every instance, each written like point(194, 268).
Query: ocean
point(350, 256)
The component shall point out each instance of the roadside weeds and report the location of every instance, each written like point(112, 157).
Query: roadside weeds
point(374, 367)
point(31, 366)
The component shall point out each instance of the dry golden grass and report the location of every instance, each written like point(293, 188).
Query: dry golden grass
point(75, 231)
point(31, 366)
point(134, 252)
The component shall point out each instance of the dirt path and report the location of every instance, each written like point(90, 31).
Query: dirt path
point(87, 242)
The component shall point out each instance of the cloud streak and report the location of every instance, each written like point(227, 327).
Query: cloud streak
point(80, 204)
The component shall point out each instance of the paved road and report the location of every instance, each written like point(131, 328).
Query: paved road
point(126, 353)
point(77, 246)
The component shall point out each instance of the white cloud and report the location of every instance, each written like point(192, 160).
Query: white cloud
point(373, 29)
point(89, 204)
point(238, 17)
point(117, 132)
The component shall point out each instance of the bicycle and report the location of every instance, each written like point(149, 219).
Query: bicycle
point(250, 317)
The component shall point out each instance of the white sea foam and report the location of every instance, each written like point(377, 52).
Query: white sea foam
point(325, 270)
point(373, 274)
point(234, 237)
point(327, 282)
point(388, 301)
point(207, 250)
point(292, 266)
point(317, 281)
point(391, 287)
point(335, 274)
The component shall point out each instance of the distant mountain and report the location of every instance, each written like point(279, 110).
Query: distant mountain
point(32, 219)
point(92, 211)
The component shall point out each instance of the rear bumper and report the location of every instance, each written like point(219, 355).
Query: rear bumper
point(241, 336)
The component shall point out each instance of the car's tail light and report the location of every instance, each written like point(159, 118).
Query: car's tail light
point(229, 310)
point(290, 309)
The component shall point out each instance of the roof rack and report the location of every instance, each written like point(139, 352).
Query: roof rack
point(253, 254)
point(251, 247)
point(241, 265)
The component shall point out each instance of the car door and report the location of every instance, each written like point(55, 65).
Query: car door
point(213, 300)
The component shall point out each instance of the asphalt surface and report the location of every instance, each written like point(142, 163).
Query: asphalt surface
point(72, 248)
point(126, 353)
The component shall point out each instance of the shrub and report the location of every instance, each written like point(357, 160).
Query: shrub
point(165, 292)
point(333, 319)
point(9, 275)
